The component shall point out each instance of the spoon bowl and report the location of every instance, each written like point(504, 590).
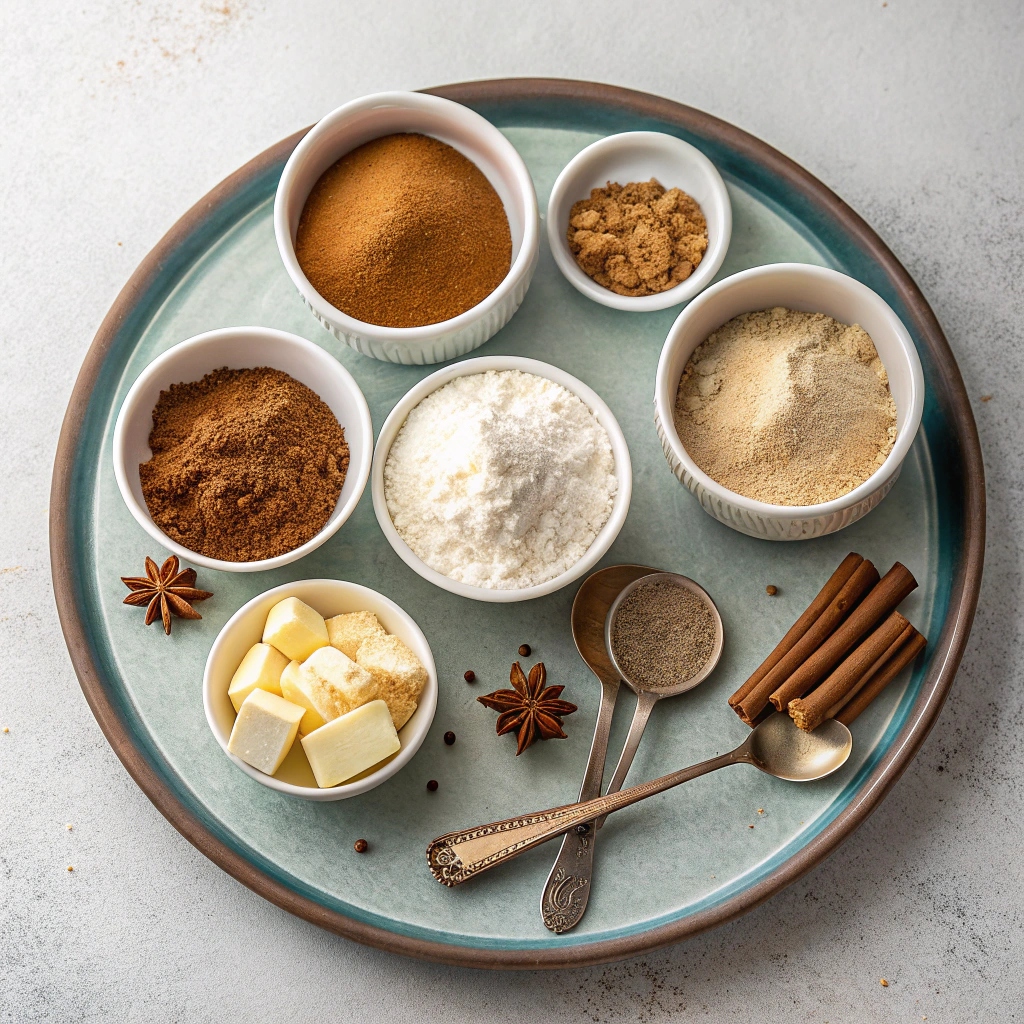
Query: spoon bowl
point(779, 748)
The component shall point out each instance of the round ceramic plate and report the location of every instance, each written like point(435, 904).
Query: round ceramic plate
point(703, 865)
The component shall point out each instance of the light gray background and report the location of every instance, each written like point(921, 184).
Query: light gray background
point(118, 116)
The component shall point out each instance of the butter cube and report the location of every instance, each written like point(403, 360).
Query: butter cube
point(348, 631)
point(351, 744)
point(261, 669)
point(295, 629)
point(397, 673)
point(264, 730)
point(335, 684)
point(293, 688)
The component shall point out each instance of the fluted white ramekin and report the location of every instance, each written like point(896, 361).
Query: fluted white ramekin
point(601, 543)
point(388, 113)
point(813, 290)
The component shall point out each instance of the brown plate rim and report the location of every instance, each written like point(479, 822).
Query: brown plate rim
point(948, 649)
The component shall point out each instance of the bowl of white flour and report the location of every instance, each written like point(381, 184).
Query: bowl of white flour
point(501, 478)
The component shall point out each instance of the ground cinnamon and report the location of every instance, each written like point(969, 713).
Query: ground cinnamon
point(404, 231)
point(247, 464)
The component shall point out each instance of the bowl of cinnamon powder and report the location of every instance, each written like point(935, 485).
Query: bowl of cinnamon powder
point(243, 449)
point(787, 398)
point(408, 224)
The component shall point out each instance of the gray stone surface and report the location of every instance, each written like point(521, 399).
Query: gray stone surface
point(117, 117)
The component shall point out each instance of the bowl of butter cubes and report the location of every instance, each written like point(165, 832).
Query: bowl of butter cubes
point(320, 689)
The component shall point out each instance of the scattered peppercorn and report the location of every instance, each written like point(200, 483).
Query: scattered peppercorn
point(432, 785)
point(524, 650)
point(470, 676)
point(449, 738)
point(771, 590)
point(360, 846)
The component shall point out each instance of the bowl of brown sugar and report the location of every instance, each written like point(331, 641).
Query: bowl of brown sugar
point(408, 224)
point(243, 449)
point(787, 398)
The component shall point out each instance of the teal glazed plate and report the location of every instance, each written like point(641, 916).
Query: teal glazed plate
point(704, 864)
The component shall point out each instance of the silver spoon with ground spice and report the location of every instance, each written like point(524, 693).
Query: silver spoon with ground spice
point(664, 635)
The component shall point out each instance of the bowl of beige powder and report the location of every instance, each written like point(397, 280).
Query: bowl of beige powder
point(787, 398)
point(501, 478)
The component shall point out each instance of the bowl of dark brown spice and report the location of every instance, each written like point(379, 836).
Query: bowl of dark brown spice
point(408, 224)
point(639, 221)
point(243, 449)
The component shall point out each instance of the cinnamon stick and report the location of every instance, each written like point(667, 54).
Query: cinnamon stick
point(826, 595)
point(882, 678)
point(809, 712)
point(864, 577)
point(905, 637)
point(894, 586)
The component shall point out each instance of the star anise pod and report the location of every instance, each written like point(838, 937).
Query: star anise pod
point(531, 708)
point(165, 590)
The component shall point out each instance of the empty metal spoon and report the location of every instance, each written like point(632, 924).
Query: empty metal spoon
point(568, 886)
point(776, 747)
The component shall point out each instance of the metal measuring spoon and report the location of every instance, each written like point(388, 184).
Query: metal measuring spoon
point(647, 697)
point(776, 747)
point(567, 890)
point(568, 886)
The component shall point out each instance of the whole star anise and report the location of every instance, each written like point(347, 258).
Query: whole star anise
point(165, 590)
point(535, 711)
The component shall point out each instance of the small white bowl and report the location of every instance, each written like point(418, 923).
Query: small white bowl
point(328, 597)
point(640, 156)
point(812, 290)
point(238, 348)
point(388, 113)
point(620, 452)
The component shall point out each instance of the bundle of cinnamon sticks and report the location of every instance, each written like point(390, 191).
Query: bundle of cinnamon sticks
point(840, 654)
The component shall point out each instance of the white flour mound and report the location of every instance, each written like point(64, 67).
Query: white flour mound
point(500, 479)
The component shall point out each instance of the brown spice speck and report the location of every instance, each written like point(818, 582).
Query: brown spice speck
point(771, 590)
point(71, 867)
point(432, 785)
point(469, 675)
point(525, 650)
point(986, 398)
point(883, 983)
point(360, 846)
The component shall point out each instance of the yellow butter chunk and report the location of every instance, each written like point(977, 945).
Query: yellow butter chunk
point(397, 672)
point(295, 629)
point(351, 744)
point(261, 669)
point(294, 688)
point(348, 631)
point(264, 730)
point(335, 684)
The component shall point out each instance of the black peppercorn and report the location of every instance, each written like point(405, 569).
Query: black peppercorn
point(470, 676)
point(524, 650)
point(432, 785)
point(360, 846)
point(449, 738)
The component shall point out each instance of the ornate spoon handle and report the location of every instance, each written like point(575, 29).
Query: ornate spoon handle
point(457, 856)
point(568, 886)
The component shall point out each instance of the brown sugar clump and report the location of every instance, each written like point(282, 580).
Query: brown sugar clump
point(404, 231)
point(637, 239)
point(247, 464)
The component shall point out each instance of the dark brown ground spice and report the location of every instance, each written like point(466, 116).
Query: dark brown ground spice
point(404, 231)
point(247, 464)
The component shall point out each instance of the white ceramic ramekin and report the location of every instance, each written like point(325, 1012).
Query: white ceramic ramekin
point(328, 597)
point(389, 113)
point(620, 452)
point(238, 348)
point(812, 290)
point(640, 156)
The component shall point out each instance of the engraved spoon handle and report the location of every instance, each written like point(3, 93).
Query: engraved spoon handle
point(457, 856)
point(568, 886)
point(645, 702)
